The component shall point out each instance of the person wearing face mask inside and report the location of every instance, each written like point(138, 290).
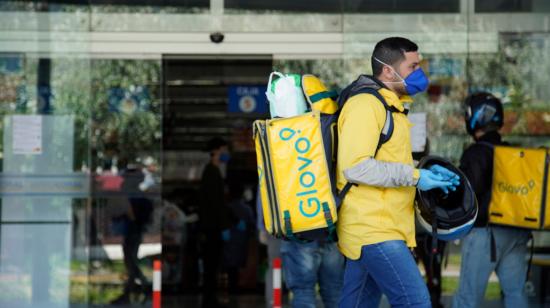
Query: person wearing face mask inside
point(214, 218)
point(376, 220)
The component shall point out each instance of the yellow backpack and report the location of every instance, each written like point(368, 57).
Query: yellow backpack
point(519, 195)
point(296, 163)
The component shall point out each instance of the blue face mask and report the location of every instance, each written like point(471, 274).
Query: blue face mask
point(225, 157)
point(415, 83)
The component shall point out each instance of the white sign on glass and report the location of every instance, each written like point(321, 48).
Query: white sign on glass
point(27, 134)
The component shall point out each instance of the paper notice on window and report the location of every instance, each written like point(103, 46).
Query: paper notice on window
point(418, 131)
point(27, 134)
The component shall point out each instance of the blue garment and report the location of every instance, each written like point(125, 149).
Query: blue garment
point(386, 267)
point(476, 266)
point(305, 265)
point(416, 82)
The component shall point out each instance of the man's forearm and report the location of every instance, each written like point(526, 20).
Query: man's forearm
point(382, 174)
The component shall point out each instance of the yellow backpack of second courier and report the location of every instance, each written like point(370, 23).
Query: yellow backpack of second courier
point(519, 196)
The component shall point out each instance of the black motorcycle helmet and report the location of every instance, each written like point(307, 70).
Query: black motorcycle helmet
point(455, 212)
point(483, 110)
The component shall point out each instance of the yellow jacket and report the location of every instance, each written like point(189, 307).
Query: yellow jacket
point(374, 214)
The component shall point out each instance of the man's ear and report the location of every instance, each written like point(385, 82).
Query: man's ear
point(387, 73)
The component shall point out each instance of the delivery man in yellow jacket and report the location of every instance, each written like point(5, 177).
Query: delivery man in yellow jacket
point(376, 221)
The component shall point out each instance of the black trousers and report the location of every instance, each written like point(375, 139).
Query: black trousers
point(130, 247)
point(211, 256)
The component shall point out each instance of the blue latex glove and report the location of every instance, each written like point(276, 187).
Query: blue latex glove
point(226, 235)
point(430, 180)
point(447, 174)
point(241, 226)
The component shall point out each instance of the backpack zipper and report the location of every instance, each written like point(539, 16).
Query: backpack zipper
point(269, 179)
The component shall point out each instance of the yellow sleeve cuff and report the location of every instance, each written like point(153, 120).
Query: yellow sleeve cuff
point(416, 176)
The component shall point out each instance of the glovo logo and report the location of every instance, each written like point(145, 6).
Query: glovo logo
point(309, 205)
point(520, 190)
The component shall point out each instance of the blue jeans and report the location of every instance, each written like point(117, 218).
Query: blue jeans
point(476, 266)
point(305, 265)
point(388, 268)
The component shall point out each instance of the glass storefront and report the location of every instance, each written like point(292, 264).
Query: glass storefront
point(77, 132)
point(106, 107)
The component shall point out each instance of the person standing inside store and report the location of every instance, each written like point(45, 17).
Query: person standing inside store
point(214, 219)
point(137, 182)
point(488, 248)
point(376, 220)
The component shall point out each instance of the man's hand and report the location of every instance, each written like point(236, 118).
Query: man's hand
point(447, 174)
point(430, 180)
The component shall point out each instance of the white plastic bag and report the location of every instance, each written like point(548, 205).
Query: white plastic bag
point(285, 96)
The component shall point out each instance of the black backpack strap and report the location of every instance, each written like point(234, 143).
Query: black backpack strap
point(485, 143)
point(387, 129)
point(492, 242)
point(342, 193)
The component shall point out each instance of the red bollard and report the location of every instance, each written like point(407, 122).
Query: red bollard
point(277, 294)
point(157, 283)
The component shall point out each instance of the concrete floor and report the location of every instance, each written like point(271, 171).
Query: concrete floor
point(257, 301)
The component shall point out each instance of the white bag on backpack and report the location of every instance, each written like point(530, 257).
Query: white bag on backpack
point(285, 96)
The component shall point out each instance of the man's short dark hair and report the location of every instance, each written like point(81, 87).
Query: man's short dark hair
point(390, 51)
point(215, 144)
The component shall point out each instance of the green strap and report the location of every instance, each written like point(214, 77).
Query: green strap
point(288, 228)
point(331, 227)
point(322, 95)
